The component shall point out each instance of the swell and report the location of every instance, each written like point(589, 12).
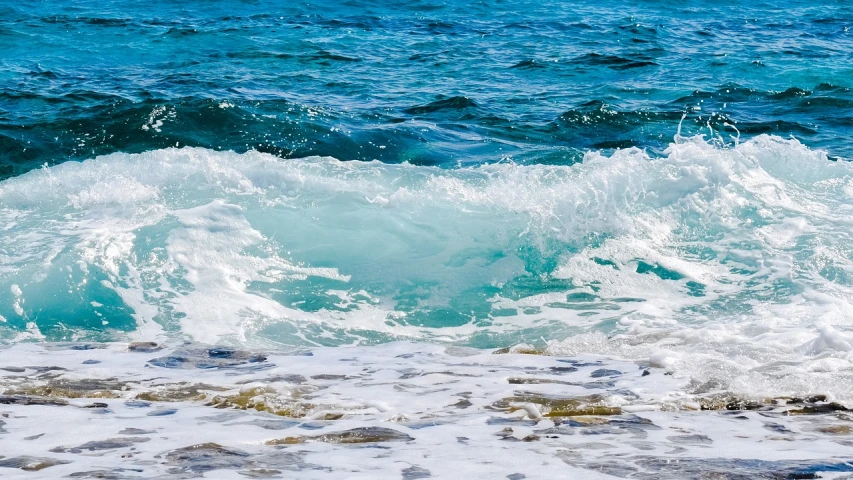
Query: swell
point(364, 81)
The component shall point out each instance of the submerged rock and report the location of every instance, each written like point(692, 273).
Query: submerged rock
point(818, 409)
point(116, 474)
point(519, 350)
point(273, 424)
point(736, 468)
point(414, 472)
point(204, 457)
point(356, 435)
point(143, 347)
point(31, 464)
point(263, 399)
point(136, 431)
point(210, 358)
point(326, 376)
point(728, 402)
point(63, 388)
point(291, 378)
point(836, 429)
point(604, 372)
point(30, 400)
point(109, 444)
point(537, 381)
point(261, 473)
point(162, 412)
point(550, 406)
point(59, 346)
point(178, 392)
point(811, 405)
point(691, 439)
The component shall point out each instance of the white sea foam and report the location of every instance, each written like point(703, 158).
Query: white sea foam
point(726, 266)
point(410, 410)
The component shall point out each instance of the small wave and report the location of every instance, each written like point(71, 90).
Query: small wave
point(259, 54)
point(326, 55)
point(793, 92)
point(94, 122)
point(452, 103)
point(530, 64)
point(614, 62)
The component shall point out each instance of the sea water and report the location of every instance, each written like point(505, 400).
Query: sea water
point(371, 239)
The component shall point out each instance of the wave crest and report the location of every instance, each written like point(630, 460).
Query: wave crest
point(218, 245)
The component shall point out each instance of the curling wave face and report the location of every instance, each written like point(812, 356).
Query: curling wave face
point(723, 264)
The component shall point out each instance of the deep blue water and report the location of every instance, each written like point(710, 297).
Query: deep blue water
point(424, 81)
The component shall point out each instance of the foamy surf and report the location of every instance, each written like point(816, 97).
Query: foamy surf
point(388, 411)
point(728, 267)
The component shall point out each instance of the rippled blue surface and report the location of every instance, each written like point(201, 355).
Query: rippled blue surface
point(424, 81)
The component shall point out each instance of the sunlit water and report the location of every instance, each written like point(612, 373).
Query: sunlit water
point(660, 191)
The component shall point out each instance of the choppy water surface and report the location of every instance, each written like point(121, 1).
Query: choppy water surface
point(652, 203)
point(429, 82)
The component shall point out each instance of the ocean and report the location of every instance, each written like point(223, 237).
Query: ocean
point(363, 239)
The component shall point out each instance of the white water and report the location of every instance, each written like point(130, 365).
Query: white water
point(728, 265)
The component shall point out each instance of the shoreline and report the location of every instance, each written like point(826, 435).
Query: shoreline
point(188, 409)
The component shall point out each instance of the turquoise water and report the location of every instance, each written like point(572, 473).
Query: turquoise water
point(486, 173)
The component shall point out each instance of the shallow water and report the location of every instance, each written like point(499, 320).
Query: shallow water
point(397, 410)
point(649, 204)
